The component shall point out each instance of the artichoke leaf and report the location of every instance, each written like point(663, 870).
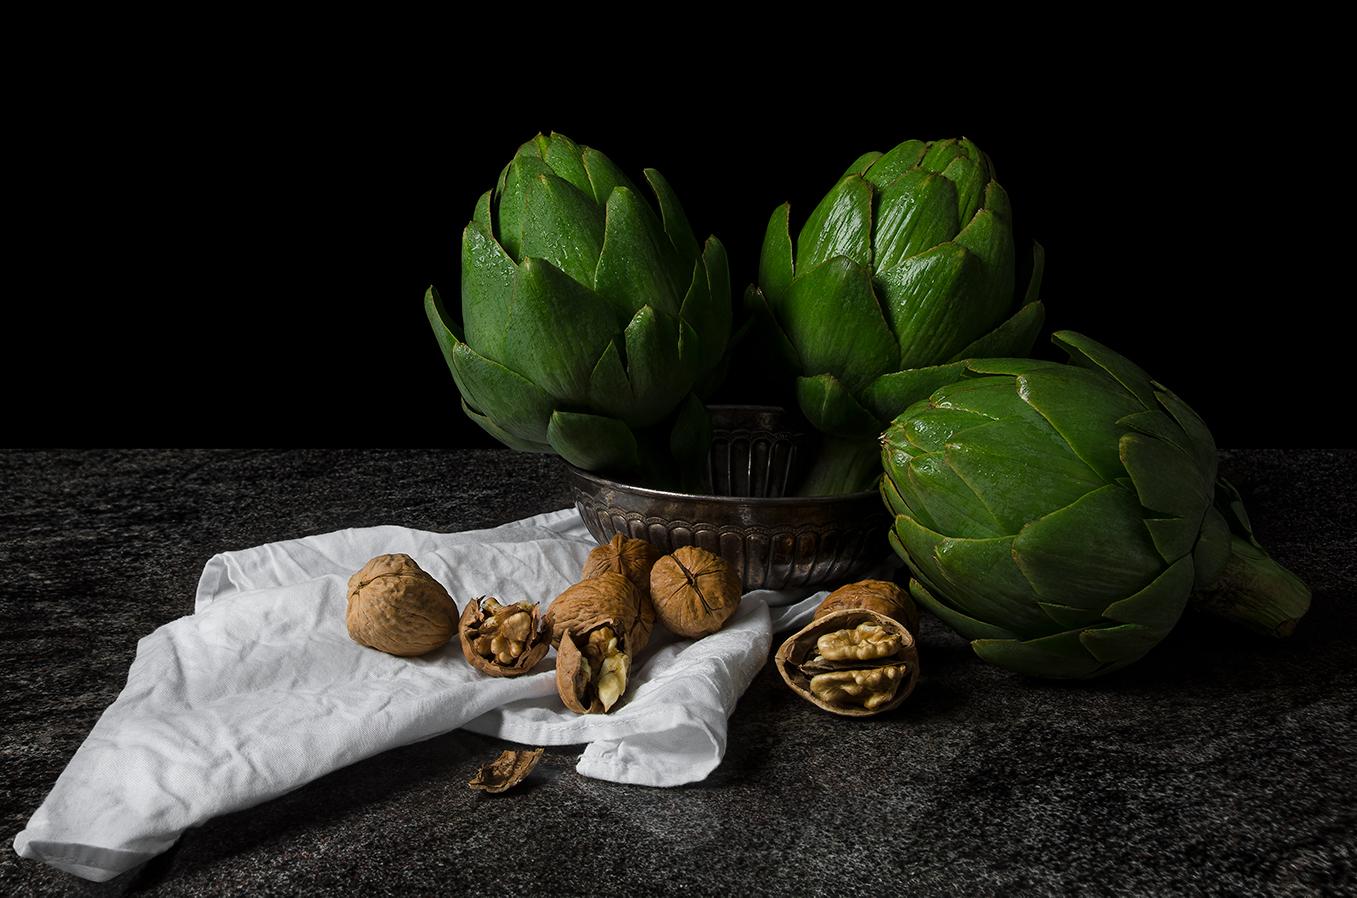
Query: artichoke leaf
point(1118, 646)
point(915, 212)
point(1019, 471)
point(834, 321)
point(996, 200)
point(1093, 551)
point(840, 226)
point(511, 203)
point(609, 387)
point(1166, 478)
point(970, 178)
point(604, 176)
point(1012, 338)
point(902, 157)
point(1198, 434)
point(488, 276)
point(636, 260)
point(499, 433)
point(764, 327)
point(1158, 424)
point(593, 442)
point(932, 429)
point(556, 330)
point(987, 585)
point(658, 372)
point(949, 500)
point(567, 161)
point(775, 260)
point(966, 626)
point(482, 214)
point(1060, 656)
point(1084, 408)
point(1159, 605)
point(929, 299)
point(1038, 269)
point(862, 164)
point(709, 321)
point(990, 241)
point(1089, 353)
point(940, 154)
point(1213, 549)
point(890, 394)
point(680, 233)
point(1066, 617)
point(562, 226)
point(830, 408)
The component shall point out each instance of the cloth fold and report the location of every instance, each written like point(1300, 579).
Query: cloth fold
point(261, 690)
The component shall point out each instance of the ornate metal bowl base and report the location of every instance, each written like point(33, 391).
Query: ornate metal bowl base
point(775, 541)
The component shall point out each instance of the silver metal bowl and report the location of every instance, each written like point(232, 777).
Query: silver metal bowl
point(774, 540)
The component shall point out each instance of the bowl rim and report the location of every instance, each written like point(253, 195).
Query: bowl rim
point(786, 501)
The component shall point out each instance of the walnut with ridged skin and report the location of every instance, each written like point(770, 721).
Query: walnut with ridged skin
point(854, 662)
point(633, 559)
point(503, 640)
point(606, 597)
point(695, 591)
point(881, 596)
point(397, 608)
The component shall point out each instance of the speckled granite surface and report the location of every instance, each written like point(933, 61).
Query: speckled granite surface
point(1221, 764)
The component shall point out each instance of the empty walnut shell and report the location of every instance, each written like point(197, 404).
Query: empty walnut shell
point(395, 607)
point(503, 640)
point(695, 591)
point(853, 662)
point(881, 596)
point(605, 597)
point(592, 668)
point(633, 559)
point(506, 771)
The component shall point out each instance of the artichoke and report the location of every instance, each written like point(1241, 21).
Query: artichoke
point(588, 317)
point(1060, 516)
point(905, 267)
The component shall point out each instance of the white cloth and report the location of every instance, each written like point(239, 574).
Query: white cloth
point(261, 690)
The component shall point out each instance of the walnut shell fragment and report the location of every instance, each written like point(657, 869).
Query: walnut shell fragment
point(854, 662)
point(592, 669)
point(881, 596)
point(695, 591)
point(503, 640)
point(506, 771)
point(397, 608)
point(607, 597)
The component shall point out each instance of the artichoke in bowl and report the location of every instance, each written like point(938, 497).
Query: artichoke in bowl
point(589, 316)
point(906, 267)
point(1060, 516)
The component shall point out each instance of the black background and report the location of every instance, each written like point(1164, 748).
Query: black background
point(223, 262)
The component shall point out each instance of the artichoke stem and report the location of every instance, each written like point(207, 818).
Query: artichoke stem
point(1256, 592)
point(843, 466)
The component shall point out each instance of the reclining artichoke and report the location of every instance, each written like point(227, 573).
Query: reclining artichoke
point(1060, 516)
point(587, 318)
point(905, 267)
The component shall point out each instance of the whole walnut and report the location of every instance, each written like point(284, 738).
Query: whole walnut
point(395, 607)
point(881, 596)
point(633, 559)
point(695, 591)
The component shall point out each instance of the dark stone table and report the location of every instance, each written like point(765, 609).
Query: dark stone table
point(1222, 763)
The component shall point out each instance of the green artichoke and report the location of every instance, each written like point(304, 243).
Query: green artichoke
point(589, 317)
point(905, 267)
point(1060, 516)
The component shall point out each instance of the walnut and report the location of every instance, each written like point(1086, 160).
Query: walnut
point(855, 662)
point(503, 640)
point(592, 669)
point(695, 591)
point(506, 771)
point(881, 596)
point(395, 607)
point(633, 559)
point(605, 597)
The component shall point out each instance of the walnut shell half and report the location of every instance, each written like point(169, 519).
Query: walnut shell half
point(503, 640)
point(695, 591)
point(592, 668)
point(606, 597)
point(881, 596)
point(395, 607)
point(855, 662)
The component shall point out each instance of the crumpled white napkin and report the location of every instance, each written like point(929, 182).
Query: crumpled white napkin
point(261, 690)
